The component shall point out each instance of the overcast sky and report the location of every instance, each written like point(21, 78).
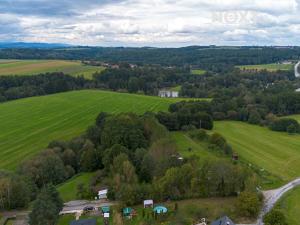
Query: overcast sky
point(151, 22)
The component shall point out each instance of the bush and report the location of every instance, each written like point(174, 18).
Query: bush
point(275, 217)
point(248, 204)
point(254, 118)
point(285, 125)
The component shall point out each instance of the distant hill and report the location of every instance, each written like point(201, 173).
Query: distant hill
point(31, 45)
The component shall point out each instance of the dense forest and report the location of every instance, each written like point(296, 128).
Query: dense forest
point(207, 57)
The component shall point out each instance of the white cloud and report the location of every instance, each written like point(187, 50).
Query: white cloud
point(156, 22)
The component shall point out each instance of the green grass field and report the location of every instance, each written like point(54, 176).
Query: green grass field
point(269, 67)
point(198, 72)
point(290, 206)
point(28, 125)
point(33, 67)
point(276, 152)
point(68, 190)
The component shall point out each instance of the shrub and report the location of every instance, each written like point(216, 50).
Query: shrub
point(248, 204)
point(285, 124)
point(275, 217)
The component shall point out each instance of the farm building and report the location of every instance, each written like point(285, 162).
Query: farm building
point(298, 90)
point(84, 222)
point(223, 221)
point(102, 194)
point(148, 203)
point(168, 94)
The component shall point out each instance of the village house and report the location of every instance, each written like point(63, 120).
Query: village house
point(148, 203)
point(102, 194)
point(168, 94)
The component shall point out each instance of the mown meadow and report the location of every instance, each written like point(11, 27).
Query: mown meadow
point(274, 152)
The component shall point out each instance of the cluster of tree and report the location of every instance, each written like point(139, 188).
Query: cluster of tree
point(15, 87)
point(147, 79)
point(206, 57)
point(46, 207)
point(14, 191)
point(259, 107)
point(183, 115)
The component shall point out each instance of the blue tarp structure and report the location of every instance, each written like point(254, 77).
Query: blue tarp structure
point(160, 209)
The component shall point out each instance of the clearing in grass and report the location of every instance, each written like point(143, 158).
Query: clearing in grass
point(277, 153)
point(28, 125)
point(68, 190)
point(268, 67)
point(33, 67)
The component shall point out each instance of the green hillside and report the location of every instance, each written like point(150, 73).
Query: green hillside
point(33, 67)
point(27, 125)
point(275, 152)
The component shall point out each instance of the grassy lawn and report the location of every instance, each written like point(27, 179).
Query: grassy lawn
point(269, 67)
point(68, 190)
point(33, 67)
point(290, 205)
point(188, 147)
point(198, 72)
point(276, 152)
point(28, 125)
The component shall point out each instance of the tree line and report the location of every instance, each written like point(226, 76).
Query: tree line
point(15, 87)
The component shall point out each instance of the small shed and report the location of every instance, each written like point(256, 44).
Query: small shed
point(160, 209)
point(127, 212)
point(106, 215)
point(102, 194)
point(105, 209)
point(148, 203)
point(84, 222)
point(223, 221)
